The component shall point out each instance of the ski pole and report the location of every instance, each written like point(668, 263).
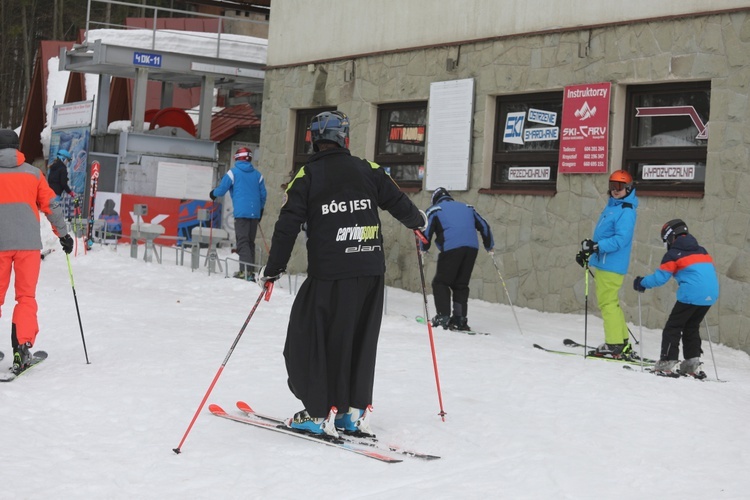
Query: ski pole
point(640, 327)
point(497, 268)
point(78, 311)
point(267, 289)
point(586, 309)
point(710, 346)
point(418, 236)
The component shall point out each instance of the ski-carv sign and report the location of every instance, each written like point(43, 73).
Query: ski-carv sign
point(585, 129)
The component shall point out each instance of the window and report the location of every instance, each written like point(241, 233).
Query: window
point(302, 145)
point(401, 141)
point(666, 137)
point(527, 142)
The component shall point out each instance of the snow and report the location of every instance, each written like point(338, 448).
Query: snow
point(521, 423)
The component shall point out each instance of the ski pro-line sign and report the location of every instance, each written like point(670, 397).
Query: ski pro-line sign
point(585, 129)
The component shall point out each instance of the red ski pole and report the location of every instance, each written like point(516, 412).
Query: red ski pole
point(418, 236)
point(267, 289)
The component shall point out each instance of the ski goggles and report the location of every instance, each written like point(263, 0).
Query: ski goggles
point(617, 186)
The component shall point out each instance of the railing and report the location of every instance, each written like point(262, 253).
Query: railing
point(155, 13)
point(103, 236)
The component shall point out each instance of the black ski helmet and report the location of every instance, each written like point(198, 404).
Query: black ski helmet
point(440, 194)
point(330, 126)
point(672, 230)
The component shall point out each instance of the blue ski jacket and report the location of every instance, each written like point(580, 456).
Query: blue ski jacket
point(455, 225)
point(614, 234)
point(692, 267)
point(247, 188)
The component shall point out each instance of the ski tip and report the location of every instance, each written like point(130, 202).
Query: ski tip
point(244, 407)
point(216, 409)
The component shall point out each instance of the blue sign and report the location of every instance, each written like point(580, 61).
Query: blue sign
point(145, 59)
point(514, 127)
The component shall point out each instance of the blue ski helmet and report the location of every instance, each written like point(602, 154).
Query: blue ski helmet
point(63, 154)
point(330, 126)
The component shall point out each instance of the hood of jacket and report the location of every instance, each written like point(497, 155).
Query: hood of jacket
point(245, 166)
point(10, 158)
point(630, 198)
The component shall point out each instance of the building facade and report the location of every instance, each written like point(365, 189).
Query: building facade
point(666, 82)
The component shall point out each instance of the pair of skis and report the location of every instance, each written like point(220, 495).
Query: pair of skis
point(574, 344)
point(95, 168)
point(422, 321)
point(361, 444)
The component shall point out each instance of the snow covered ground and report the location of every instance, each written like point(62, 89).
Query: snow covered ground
point(521, 423)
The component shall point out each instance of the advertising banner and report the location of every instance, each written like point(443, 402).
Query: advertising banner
point(585, 129)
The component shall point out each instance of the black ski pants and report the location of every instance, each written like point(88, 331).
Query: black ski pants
point(453, 273)
point(245, 230)
point(683, 323)
point(332, 342)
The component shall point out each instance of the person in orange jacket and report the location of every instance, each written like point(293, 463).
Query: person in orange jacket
point(24, 192)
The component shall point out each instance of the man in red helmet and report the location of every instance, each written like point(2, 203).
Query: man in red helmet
point(248, 190)
point(608, 251)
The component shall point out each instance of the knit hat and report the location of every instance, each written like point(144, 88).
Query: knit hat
point(8, 139)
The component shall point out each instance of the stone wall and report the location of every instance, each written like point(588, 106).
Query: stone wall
point(537, 236)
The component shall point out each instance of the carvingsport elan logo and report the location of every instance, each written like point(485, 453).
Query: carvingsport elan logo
point(360, 234)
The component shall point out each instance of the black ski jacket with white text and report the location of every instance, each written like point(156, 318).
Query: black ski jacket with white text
point(337, 196)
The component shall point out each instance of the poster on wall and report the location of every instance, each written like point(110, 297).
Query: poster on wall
point(585, 129)
point(182, 180)
point(76, 142)
point(71, 131)
point(450, 109)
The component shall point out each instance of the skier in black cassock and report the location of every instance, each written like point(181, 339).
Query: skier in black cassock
point(335, 321)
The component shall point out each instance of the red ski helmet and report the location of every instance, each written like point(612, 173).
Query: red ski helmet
point(243, 154)
point(621, 179)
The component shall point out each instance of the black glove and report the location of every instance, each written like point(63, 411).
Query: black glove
point(212, 195)
point(266, 277)
point(637, 285)
point(589, 246)
point(582, 259)
point(67, 243)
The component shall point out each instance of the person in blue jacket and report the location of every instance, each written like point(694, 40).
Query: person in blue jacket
point(693, 268)
point(248, 190)
point(454, 225)
point(608, 251)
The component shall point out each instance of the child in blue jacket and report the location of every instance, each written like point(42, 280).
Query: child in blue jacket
point(693, 268)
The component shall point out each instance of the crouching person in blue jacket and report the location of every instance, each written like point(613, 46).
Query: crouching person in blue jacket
point(693, 268)
point(455, 226)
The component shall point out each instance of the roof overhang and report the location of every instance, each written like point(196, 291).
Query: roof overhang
point(185, 70)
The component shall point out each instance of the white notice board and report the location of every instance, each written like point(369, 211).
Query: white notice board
point(449, 126)
point(183, 181)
